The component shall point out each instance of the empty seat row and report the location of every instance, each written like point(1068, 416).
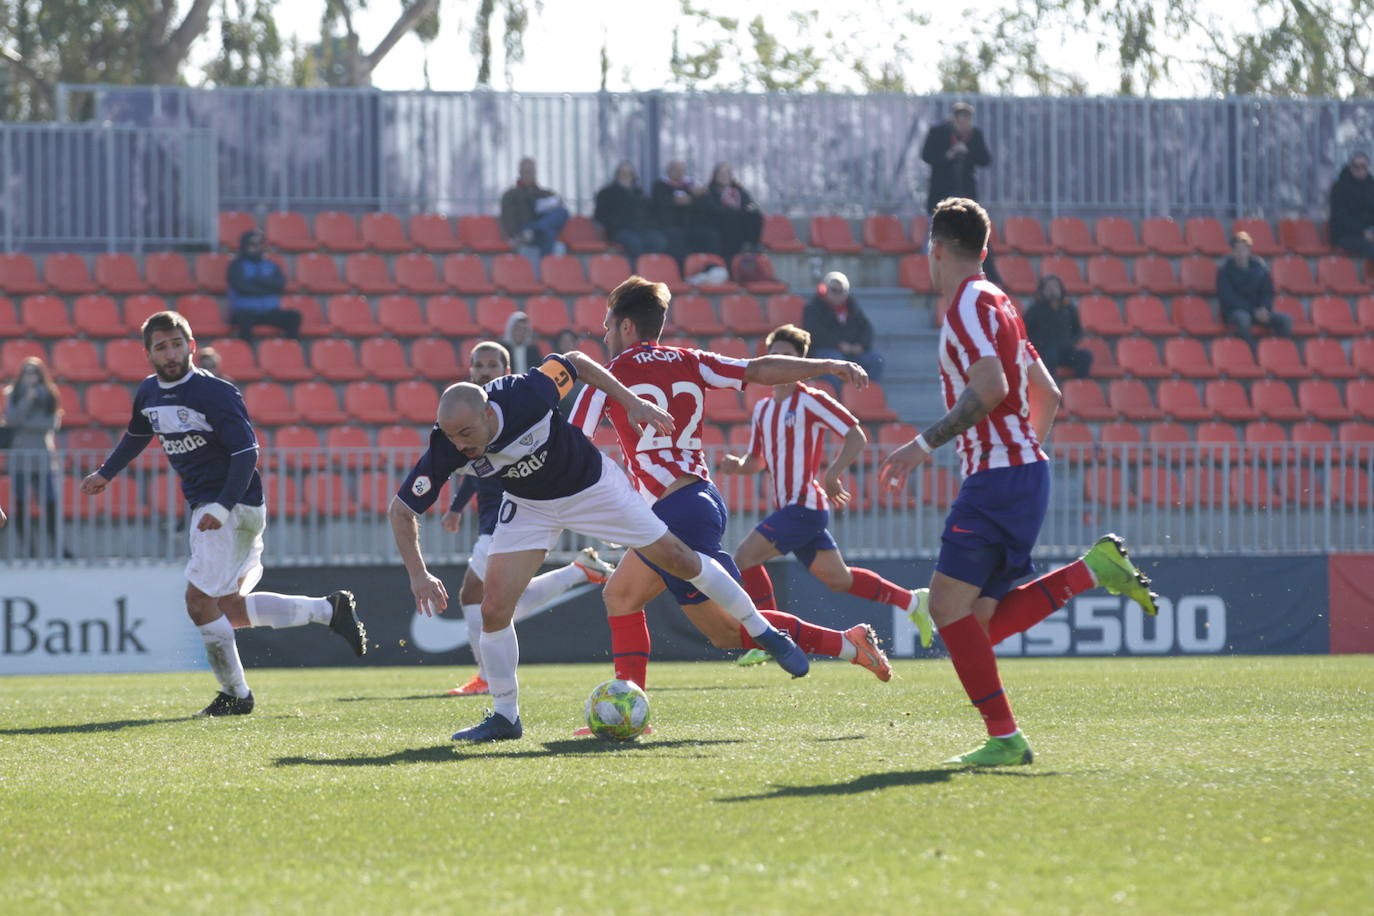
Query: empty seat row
point(1195, 316)
point(1177, 442)
point(1225, 399)
point(1212, 487)
point(1189, 357)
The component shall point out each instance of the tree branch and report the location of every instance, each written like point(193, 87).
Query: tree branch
point(407, 21)
point(191, 28)
point(31, 76)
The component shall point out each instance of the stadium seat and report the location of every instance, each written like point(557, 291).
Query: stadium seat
point(1273, 399)
point(14, 352)
point(348, 447)
point(433, 233)
point(336, 231)
point(1018, 276)
point(913, 272)
point(1187, 357)
point(755, 272)
point(1207, 236)
point(1116, 235)
point(435, 359)
point(1301, 237)
point(67, 275)
point(1262, 240)
point(919, 230)
point(317, 273)
point(694, 315)
point(1147, 315)
point(416, 273)
point(109, 404)
point(417, 402)
point(1120, 442)
point(232, 225)
point(492, 313)
point(289, 232)
point(514, 274)
point(1105, 364)
point(352, 316)
point(1325, 357)
point(1198, 275)
point(401, 316)
point(1025, 235)
point(1207, 486)
point(1215, 440)
point(283, 360)
point(785, 308)
point(885, 233)
point(742, 314)
point(9, 320)
point(589, 315)
point(868, 404)
point(1108, 486)
point(548, 315)
point(19, 275)
point(1069, 235)
point(1229, 400)
point(1160, 486)
point(383, 232)
point(1178, 400)
point(582, 234)
point(1351, 432)
point(1278, 357)
point(779, 235)
point(1341, 275)
point(281, 494)
point(45, 316)
point(236, 359)
point(1100, 315)
point(1130, 398)
point(76, 360)
point(1195, 317)
point(335, 360)
point(205, 315)
point(661, 268)
point(1364, 311)
point(313, 320)
point(1252, 487)
point(367, 274)
point(383, 358)
point(736, 348)
point(1070, 441)
point(1139, 357)
point(1066, 269)
point(326, 493)
point(1162, 236)
point(1362, 355)
point(724, 405)
point(699, 262)
point(299, 445)
point(1107, 274)
point(482, 234)
point(1266, 441)
point(212, 272)
point(169, 274)
point(1360, 396)
point(607, 271)
point(119, 274)
point(1234, 358)
point(1294, 309)
point(269, 405)
point(564, 275)
point(1155, 275)
point(1292, 275)
point(593, 347)
point(1352, 486)
point(97, 441)
point(1331, 315)
point(1310, 438)
point(1083, 400)
point(96, 315)
point(317, 404)
point(1321, 400)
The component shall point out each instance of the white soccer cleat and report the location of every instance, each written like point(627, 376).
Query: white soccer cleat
point(596, 569)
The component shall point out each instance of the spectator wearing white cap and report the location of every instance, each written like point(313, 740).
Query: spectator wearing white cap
point(839, 328)
point(520, 343)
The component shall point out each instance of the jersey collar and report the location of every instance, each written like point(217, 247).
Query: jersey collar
point(178, 383)
point(643, 345)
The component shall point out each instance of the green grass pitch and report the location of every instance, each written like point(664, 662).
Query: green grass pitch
point(1160, 786)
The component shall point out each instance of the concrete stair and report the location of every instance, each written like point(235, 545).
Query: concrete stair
point(906, 335)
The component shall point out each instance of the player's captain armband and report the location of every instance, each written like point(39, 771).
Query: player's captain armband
point(559, 374)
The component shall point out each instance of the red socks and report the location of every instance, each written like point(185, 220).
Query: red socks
point(873, 587)
point(760, 588)
point(1024, 607)
point(630, 647)
point(976, 666)
point(811, 639)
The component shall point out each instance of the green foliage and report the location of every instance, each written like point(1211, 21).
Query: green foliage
point(251, 51)
point(514, 17)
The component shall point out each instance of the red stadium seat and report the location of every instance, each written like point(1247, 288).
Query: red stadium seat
point(368, 402)
point(1362, 356)
point(868, 404)
point(1161, 486)
point(433, 233)
point(283, 360)
point(282, 496)
point(1364, 311)
point(383, 232)
point(736, 348)
point(1116, 235)
point(401, 316)
point(76, 360)
point(1262, 241)
point(416, 273)
point(1195, 317)
point(742, 314)
point(1331, 315)
point(920, 230)
point(779, 235)
point(1107, 274)
point(482, 234)
point(9, 320)
point(1234, 358)
point(1187, 357)
point(67, 274)
point(269, 405)
point(694, 315)
point(466, 274)
point(367, 274)
point(724, 405)
point(232, 226)
point(118, 273)
point(348, 447)
point(169, 274)
point(1070, 235)
point(1130, 398)
point(14, 352)
point(326, 493)
point(300, 444)
point(1273, 399)
point(336, 361)
point(289, 232)
point(754, 271)
point(1155, 275)
point(1178, 400)
point(1025, 235)
point(1198, 275)
point(1294, 309)
point(492, 313)
point(212, 272)
point(1066, 269)
point(1083, 400)
point(548, 315)
point(1162, 236)
point(1229, 400)
point(383, 358)
point(1352, 486)
point(1340, 275)
point(1321, 400)
point(434, 358)
point(1207, 236)
point(1105, 364)
point(913, 272)
point(785, 308)
point(1139, 357)
point(1325, 357)
point(96, 441)
point(607, 271)
point(885, 233)
point(564, 275)
point(417, 402)
point(337, 231)
point(582, 235)
point(1071, 442)
point(1215, 440)
point(589, 315)
point(1018, 276)
point(661, 268)
point(700, 262)
point(514, 274)
point(313, 320)
point(237, 360)
point(1360, 396)
point(593, 348)
point(1147, 315)
point(1301, 237)
point(1292, 275)
point(317, 273)
point(19, 276)
point(1311, 437)
point(109, 404)
point(45, 316)
point(1266, 441)
point(1100, 315)
point(1120, 442)
point(1107, 486)
point(352, 316)
point(98, 316)
point(1279, 357)
point(451, 316)
point(1352, 432)
point(205, 315)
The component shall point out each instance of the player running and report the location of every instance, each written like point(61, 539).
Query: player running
point(671, 472)
point(786, 440)
point(205, 431)
point(555, 479)
point(1001, 403)
point(489, 360)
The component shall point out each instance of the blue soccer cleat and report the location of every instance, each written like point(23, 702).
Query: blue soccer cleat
point(784, 651)
point(495, 727)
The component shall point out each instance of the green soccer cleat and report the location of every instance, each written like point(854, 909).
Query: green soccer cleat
point(753, 657)
point(1116, 573)
point(1011, 751)
point(919, 612)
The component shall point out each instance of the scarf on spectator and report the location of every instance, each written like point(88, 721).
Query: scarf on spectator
point(730, 196)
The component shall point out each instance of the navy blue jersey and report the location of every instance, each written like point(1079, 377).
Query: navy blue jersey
point(489, 491)
point(536, 453)
point(201, 422)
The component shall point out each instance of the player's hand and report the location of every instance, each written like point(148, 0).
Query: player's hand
point(451, 521)
point(835, 489)
point(93, 484)
point(731, 464)
point(643, 413)
point(430, 595)
point(849, 372)
point(897, 467)
point(208, 523)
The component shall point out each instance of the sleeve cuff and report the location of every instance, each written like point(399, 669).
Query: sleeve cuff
point(218, 511)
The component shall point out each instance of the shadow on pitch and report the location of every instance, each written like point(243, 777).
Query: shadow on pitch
point(416, 696)
point(443, 753)
point(873, 782)
point(439, 753)
point(713, 687)
point(92, 727)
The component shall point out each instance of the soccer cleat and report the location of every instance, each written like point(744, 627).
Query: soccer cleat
point(919, 612)
point(474, 687)
point(1116, 573)
point(784, 651)
point(226, 704)
point(346, 623)
point(1011, 751)
point(753, 657)
point(495, 727)
point(597, 569)
point(866, 651)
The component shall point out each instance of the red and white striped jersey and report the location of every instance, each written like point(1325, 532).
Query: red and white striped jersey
point(675, 379)
point(980, 323)
point(787, 436)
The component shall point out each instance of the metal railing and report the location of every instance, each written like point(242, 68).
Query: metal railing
point(800, 155)
point(120, 188)
point(328, 507)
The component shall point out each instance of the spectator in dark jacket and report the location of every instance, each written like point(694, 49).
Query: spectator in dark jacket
point(520, 343)
point(532, 216)
point(33, 412)
point(682, 213)
point(1054, 329)
point(1245, 293)
point(736, 216)
point(1352, 208)
point(255, 286)
point(625, 212)
point(953, 150)
point(839, 328)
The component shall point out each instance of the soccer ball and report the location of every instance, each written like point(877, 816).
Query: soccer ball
point(618, 711)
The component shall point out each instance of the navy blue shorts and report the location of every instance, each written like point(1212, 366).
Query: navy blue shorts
point(798, 530)
point(697, 515)
point(993, 525)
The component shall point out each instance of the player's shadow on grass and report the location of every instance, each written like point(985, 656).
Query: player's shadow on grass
point(414, 696)
point(91, 727)
point(714, 687)
point(583, 746)
point(448, 753)
point(439, 753)
point(872, 782)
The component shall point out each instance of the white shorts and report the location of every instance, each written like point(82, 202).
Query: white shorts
point(609, 509)
point(227, 560)
point(477, 560)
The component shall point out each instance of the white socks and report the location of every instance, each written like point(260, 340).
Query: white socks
point(472, 616)
point(223, 653)
point(545, 588)
point(718, 585)
point(266, 609)
point(500, 655)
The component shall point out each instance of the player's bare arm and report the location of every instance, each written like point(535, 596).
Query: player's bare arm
point(783, 370)
point(742, 464)
point(1044, 397)
point(854, 442)
point(430, 594)
point(639, 411)
point(987, 386)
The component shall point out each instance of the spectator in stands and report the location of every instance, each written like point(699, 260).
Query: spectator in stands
point(532, 216)
point(681, 210)
point(627, 215)
point(737, 218)
point(207, 358)
point(953, 150)
point(1245, 293)
point(1352, 208)
point(33, 412)
point(255, 286)
point(520, 343)
point(1054, 329)
point(839, 328)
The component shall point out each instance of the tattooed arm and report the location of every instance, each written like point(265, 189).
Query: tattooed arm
point(987, 386)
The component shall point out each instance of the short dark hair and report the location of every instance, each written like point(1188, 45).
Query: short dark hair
point(962, 223)
point(165, 321)
point(790, 333)
point(642, 301)
point(497, 348)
